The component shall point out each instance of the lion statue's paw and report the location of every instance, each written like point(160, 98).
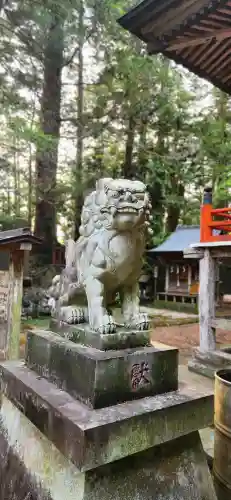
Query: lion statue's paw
point(139, 322)
point(72, 315)
point(105, 324)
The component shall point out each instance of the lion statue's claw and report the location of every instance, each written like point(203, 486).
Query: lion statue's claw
point(106, 325)
point(72, 315)
point(139, 322)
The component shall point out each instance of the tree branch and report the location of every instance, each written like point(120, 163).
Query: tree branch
point(70, 59)
point(72, 56)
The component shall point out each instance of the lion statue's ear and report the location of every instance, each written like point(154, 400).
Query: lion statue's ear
point(101, 184)
point(101, 191)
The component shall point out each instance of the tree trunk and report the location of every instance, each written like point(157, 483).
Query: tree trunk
point(47, 155)
point(99, 159)
point(29, 205)
point(9, 207)
point(156, 185)
point(159, 176)
point(127, 170)
point(78, 195)
point(16, 178)
point(173, 212)
point(30, 173)
point(157, 201)
point(142, 153)
point(219, 172)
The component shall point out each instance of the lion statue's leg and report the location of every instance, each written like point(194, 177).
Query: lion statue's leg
point(99, 319)
point(130, 308)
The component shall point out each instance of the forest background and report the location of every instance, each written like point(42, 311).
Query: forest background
point(80, 99)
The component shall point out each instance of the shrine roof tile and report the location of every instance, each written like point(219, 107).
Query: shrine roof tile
point(182, 238)
point(22, 234)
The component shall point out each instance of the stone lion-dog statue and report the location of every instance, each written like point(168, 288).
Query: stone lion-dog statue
point(106, 259)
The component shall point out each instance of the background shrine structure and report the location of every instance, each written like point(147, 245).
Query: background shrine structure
point(196, 34)
point(176, 278)
point(14, 244)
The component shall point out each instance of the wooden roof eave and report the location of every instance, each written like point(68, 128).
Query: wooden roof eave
point(16, 241)
point(190, 34)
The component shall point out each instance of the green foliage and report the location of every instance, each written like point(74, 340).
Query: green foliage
point(9, 222)
point(132, 115)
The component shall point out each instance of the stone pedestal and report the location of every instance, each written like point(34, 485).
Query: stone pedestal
point(147, 446)
point(82, 334)
point(208, 362)
point(102, 378)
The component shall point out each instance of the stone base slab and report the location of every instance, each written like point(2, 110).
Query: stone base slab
point(222, 492)
point(32, 468)
point(82, 334)
point(102, 378)
point(91, 438)
point(207, 363)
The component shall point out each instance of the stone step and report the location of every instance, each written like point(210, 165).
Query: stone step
point(91, 438)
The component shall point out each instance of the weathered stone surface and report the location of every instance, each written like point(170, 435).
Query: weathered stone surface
point(208, 362)
point(31, 467)
point(223, 493)
point(172, 471)
point(90, 438)
point(102, 378)
point(82, 334)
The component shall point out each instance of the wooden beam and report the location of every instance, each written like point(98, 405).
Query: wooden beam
point(191, 253)
point(207, 302)
point(221, 254)
point(26, 246)
point(166, 279)
point(12, 341)
point(155, 47)
point(189, 277)
point(184, 42)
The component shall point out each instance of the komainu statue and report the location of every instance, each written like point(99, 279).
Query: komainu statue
point(106, 259)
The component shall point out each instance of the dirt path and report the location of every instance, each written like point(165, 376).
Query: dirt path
point(185, 337)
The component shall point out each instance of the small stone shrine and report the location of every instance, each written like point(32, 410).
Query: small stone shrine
point(95, 412)
point(13, 245)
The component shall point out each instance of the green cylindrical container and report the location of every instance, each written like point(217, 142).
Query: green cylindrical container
point(222, 441)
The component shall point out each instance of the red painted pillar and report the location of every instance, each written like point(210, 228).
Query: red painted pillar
point(206, 216)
